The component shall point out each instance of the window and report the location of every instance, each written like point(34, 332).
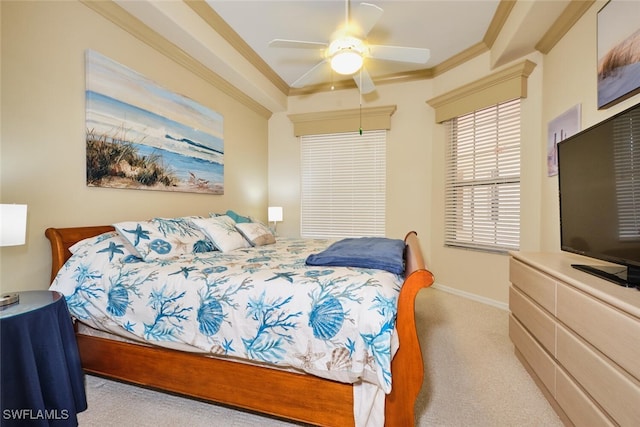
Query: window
point(626, 158)
point(482, 183)
point(343, 184)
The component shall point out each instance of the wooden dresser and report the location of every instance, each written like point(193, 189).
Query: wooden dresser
point(578, 336)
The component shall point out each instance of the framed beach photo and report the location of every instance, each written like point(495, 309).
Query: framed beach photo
point(618, 52)
point(142, 136)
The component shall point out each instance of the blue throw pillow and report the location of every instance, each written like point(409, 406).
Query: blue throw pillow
point(237, 218)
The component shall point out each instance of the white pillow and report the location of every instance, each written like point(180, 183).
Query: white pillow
point(256, 233)
point(222, 232)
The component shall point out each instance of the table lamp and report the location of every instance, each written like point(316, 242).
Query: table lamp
point(13, 225)
point(13, 232)
point(275, 215)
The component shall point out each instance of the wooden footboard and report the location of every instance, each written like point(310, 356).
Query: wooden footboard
point(289, 395)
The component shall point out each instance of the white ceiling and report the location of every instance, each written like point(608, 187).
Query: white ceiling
point(446, 27)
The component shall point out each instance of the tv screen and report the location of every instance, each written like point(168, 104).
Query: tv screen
point(599, 184)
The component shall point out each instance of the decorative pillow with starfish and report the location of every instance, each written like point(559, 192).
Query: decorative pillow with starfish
point(165, 238)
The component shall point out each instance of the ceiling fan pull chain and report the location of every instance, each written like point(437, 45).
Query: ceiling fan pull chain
point(360, 91)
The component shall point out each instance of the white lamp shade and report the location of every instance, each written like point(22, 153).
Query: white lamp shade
point(347, 54)
point(13, 225)
point(275, 213)
point(346, 62)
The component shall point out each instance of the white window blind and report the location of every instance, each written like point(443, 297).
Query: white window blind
point(626, 160)
point(482, 183)
point(343, 184)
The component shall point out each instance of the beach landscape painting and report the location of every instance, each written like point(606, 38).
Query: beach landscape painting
point(618, 52)
point(140, 135)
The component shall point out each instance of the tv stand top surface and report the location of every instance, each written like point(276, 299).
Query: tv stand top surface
point(615, 274)
point(559, 265)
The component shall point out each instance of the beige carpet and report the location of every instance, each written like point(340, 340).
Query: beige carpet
point(472, 378)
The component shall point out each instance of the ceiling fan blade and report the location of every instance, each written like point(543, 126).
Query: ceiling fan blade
point(401, 54)
point(312, 76)
point(297, 44)
point(364, 82)
point(364, 17)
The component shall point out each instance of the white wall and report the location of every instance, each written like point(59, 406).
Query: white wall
point(42, 159)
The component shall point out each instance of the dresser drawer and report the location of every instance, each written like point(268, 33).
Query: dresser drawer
point(580, 409)
point(541, 288)
point(616, 392)
point(541, 363)
point(612, 332)
point(536, 320)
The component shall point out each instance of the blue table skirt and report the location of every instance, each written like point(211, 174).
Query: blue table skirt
point(42, 380)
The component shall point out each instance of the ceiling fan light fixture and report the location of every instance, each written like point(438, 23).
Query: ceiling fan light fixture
point(346, 55)
point(346, 62)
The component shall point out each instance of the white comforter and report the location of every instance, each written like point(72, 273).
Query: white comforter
point(262, 304)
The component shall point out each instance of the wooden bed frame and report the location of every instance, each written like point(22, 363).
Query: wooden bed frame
point(293, 396)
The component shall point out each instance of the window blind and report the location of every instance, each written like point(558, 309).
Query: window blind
point(482, 182)
point(626, 159)
point(343, 184)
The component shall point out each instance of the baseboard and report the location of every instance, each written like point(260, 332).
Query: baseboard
point(474, 297)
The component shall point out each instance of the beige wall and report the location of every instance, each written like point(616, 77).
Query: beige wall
point(409, 156)
point(479, 274)
point(42, 133)
point(570, 79)
point(415, 177)
point(42, 155)
point(563, 78)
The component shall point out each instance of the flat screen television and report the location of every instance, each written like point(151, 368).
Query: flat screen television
point(599, 185)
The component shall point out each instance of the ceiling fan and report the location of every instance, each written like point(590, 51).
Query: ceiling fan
point(347, 49)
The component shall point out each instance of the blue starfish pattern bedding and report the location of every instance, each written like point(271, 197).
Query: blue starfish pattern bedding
point(261, 304)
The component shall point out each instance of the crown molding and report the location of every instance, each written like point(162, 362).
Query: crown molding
point(499, 18)
point(459, 59)
point(120, 17)
point(123, 19)
point(572, 13)
point(498, 21)
point(215, 21)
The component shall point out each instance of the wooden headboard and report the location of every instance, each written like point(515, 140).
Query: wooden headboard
point(62, 239)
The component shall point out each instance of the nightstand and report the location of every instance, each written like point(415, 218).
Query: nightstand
point(42, 383)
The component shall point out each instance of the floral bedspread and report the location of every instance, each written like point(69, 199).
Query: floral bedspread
point(260, 303)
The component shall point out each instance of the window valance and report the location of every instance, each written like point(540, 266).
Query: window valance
point(372, 118)
point(502, 86)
